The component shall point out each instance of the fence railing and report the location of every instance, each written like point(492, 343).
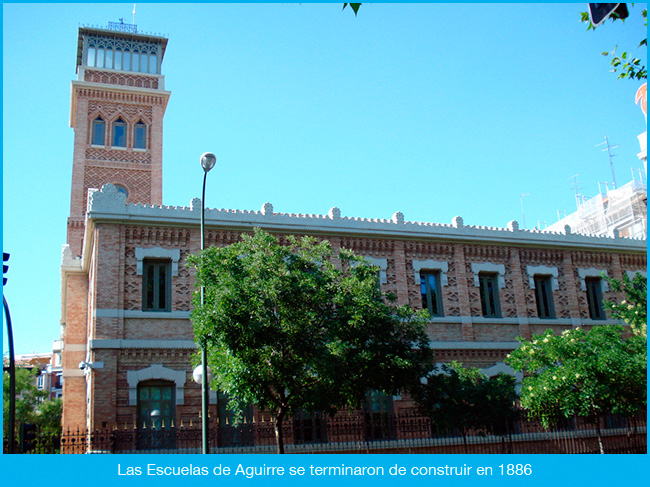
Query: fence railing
point(361, 433)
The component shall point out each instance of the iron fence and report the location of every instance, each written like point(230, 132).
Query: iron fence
point(358, 433)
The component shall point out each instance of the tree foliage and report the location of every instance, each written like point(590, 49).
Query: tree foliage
point(353, 6)
point(584, 373)
point(628, 66)
point(464, 399)
point(633, 310)
point(288, 329)
point(31, 404)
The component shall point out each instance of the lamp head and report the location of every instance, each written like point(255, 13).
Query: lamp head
point(208, 160)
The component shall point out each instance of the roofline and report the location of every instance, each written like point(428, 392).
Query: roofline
point(108, 206)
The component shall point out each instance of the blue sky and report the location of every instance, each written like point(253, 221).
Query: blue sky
point(434, 110)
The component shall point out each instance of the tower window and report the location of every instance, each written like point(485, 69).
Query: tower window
point(126, 62)
point(140, 136)
point(91, 57)
point(98, 131)
point(119, 133)
point(118, 59)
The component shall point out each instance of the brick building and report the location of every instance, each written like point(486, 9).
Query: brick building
point(126, 289)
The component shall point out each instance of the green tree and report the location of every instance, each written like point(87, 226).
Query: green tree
point(28, 398)
point(354, 6)
point(633, 310)
point(584, 373)
point(287, 329)
point(48, 417)
point(465, 399)
point(625, 64)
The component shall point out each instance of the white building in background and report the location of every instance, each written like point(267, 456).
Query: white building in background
point(623, 210)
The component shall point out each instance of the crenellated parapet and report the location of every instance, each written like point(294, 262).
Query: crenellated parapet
point(110, 204)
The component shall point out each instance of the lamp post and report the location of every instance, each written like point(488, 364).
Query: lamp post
point(208, 160)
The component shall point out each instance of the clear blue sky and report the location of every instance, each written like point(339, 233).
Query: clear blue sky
point(434, 110)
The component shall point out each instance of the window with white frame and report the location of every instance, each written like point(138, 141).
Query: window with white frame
point(489, 278)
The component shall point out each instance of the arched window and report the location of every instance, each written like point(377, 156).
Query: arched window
point(119, 133)
point(98, 131)
point(122, 189)
point(156, 414)
point(140, 136)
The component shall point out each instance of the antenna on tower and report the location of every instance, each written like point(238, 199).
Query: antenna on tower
point(133, 14)
point(609, 152)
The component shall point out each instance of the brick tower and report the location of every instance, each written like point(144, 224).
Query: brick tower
point(117, 107)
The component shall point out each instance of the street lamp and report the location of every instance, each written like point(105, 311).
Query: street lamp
point(208, 160)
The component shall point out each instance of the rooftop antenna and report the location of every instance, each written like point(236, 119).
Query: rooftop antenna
point(577, 190)
point(523, 215)
point(133, 14)
point(609, 152)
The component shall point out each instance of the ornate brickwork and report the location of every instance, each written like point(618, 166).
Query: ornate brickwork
point(472, 358)
point(137, 182)
point(391, 277)
point(122, 79)
point(109, 110)
point(592, 259)
point(95, 155)
point(370, 247)
point(157, 236)
point(428, 250)
point(547, 257)
point(151, 99)
point(486, 253)
point(634, 262)
point(221, 238)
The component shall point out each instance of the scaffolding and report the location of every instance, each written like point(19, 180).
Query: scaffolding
point(624, 209)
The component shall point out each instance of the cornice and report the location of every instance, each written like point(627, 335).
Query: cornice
point(108, 205)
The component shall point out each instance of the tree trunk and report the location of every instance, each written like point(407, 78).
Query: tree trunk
point(278, 431)
point(600, 437)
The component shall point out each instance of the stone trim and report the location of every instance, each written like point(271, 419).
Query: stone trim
point(544, 271)
point(156, 371)
point(134, 314)
point(591, 272)
point(157, 253)
point(631, 274)
point(499, 269)
point(97, 344)
point(431, 265)
point(382, 264)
